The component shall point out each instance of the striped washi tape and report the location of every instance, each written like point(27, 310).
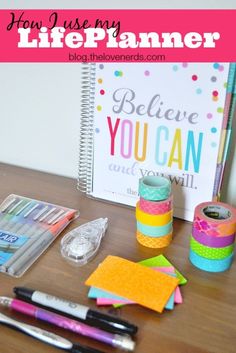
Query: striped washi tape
point(151, 242)
point(156, 207)
point(154, 188)
point(213, 242)
point(153, 231)
point(153, 220)
point(210, 265)
point(210, 253)
point(215, 219)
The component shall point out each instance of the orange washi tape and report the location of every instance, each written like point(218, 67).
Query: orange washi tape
point(153, 220)
point(215, 219)
point(150, 242)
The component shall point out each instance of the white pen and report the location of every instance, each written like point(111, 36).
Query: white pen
point(37, 332)
point(45, 336)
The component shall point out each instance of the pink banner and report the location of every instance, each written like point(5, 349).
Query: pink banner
point(117, 35)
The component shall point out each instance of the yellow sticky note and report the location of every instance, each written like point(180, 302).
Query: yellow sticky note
point(133, 281)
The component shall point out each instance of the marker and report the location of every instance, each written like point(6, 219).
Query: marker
point(59, 218)
point(82, 312)
point(50, 221)
point(31, 210)
point(15, 222)
point(47, 214)
point(23, 208)
point(46, 336)
point(115, 340)
point(9, 221)
point(44, 209)
point(15, 206)
point(8, 204)
point(34, 247)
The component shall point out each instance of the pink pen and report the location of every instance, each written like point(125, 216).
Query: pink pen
point(115, 340)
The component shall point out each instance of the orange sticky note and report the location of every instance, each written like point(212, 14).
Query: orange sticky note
point(135, 282)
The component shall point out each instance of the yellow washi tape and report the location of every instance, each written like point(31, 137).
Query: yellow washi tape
point(153, 220)
point(150, 242)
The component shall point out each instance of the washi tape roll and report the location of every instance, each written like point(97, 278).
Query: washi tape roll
point(156, 207)
point(154, 188)
point(153, 220)
point(210, 265)
point(153, 231)
point(151, 242)
point(213, 242)
point(215, 219)
point(210, 253)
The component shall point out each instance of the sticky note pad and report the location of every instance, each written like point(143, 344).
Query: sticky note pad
point(161, 260)
point(105, 298)
point(134, 282)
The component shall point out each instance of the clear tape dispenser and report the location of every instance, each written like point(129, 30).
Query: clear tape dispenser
point(80, 245)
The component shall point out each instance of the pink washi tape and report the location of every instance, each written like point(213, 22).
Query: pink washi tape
point(216, 219)
point(156, 207)
point(213, 242)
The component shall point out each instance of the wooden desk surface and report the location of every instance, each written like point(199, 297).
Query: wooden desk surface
point(205, 322)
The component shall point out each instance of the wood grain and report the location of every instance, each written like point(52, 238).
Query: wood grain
point(204, 323)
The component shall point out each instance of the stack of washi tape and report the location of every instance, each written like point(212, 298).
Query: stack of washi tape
point(154, 212)
point(213, 235)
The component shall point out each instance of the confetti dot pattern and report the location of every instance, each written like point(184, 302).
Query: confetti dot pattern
point(118, 73)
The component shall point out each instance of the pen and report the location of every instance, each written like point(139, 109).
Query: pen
point(33, 247)
point(115, 340)
point(82, 312)
point(46, 336)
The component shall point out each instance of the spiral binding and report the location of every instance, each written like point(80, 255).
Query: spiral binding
point(85, 172)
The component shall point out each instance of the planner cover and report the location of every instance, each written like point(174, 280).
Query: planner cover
point(140, 119)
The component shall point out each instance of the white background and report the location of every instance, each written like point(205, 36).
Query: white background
point(39, 103)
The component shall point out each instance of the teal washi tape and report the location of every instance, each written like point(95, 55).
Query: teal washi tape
point(154, 188)
point(210, 265)
point(154, 231)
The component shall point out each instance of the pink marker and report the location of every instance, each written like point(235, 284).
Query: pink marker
point(115, 340)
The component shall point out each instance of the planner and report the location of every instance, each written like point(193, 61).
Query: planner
point(167, 119)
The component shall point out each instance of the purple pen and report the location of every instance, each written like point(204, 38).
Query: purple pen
point(115, 340)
